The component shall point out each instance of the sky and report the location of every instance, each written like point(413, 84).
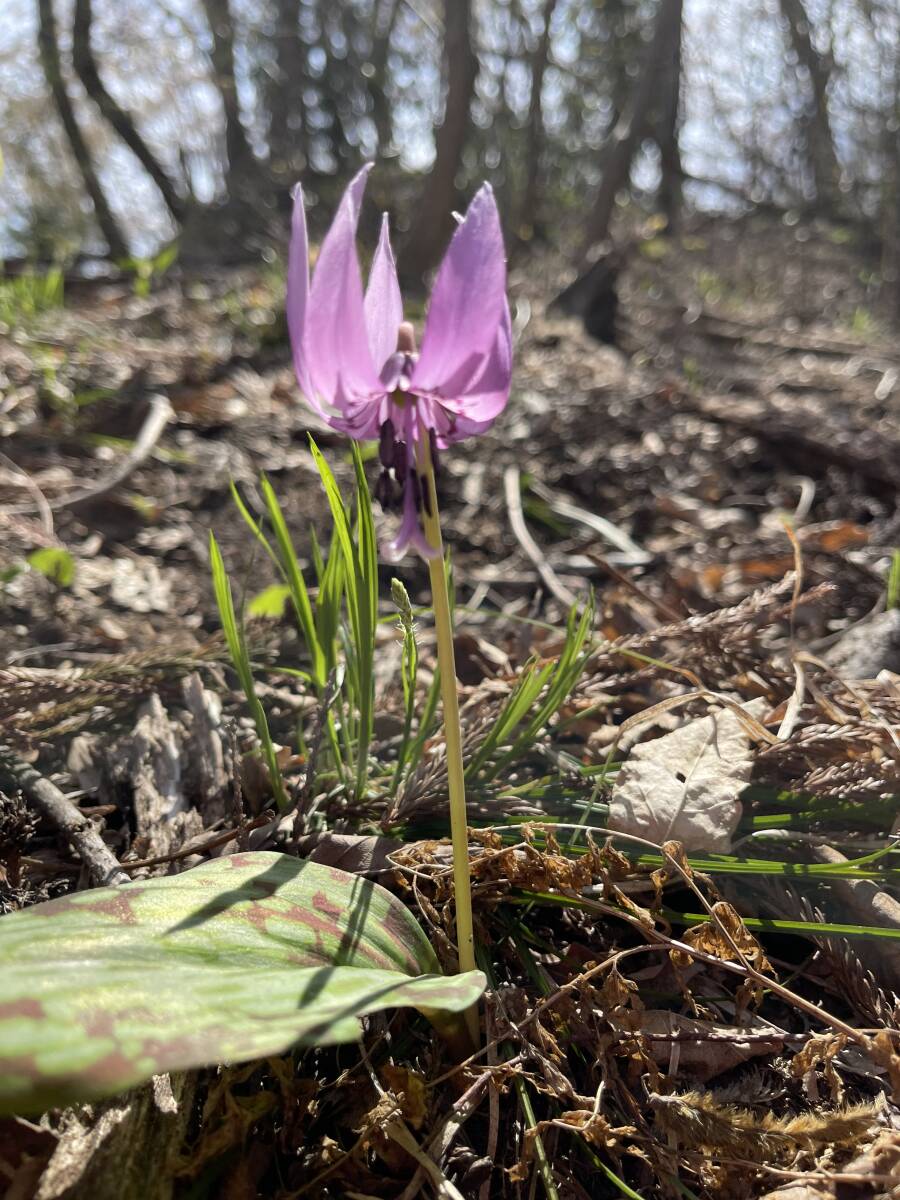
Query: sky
point(733, 64)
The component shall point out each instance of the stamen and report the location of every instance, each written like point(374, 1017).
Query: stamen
point(386, 443)
point(416, 490)
point(435, 461)
point(384, 491)
point(399, 464)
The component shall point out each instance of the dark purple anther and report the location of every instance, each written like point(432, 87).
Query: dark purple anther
point(435, 461)
point(386, 444)
point(416, 490)
point(384, 491)
point(399, 463)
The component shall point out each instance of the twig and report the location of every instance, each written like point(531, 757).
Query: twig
point(493, 1137)
point(632, 554)
point(513, 493)
point(41, 504)
point(46, 799)
point(194, 847)
point(442, 1140)
point(665, 610)
point(158, 417)
point(398, 1132)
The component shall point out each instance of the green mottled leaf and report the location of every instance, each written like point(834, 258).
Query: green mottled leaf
point(237, 959)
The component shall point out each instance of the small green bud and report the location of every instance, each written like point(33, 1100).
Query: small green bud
point(400, 596)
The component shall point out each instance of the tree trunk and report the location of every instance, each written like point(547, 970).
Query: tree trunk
point(48, 50)
point(384, 20)
point(86, 68)
point(287, 137)
point(667, 136)
point(634, 123)
point(529, 224)
point(823, 159)
point(237, 148)
point(434, 220)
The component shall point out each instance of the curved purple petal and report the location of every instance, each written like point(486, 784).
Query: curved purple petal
point(336, 339)
point(383, 302)
point(484, 395)
point(467, 301)
point(298, 293)
point(410, 532)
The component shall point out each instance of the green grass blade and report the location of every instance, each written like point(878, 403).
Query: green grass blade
point(808, 928)
point(893, 583)
point(335, 503)
point(409, 667)
point(238, 649)
point(522, 698)
point(366, 566)
point(293, 576)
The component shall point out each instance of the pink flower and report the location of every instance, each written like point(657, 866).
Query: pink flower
point(355, 356)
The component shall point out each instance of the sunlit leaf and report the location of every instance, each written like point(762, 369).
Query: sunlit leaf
point(54, 562)
point(686, 785)
point(271, 602)
point(240, 958)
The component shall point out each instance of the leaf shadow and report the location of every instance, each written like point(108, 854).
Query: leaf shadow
point(348, 912)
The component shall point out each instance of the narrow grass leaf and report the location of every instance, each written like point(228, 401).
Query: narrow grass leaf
point(238, 650)
point(293, 576)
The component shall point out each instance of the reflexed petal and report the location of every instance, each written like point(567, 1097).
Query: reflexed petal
point(336, 340)
point(359, 420)
point(484, 395)
point(467, 300)
point(410, 532)
point(298, 293)
point(383, 302)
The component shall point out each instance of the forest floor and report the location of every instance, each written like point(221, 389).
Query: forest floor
point(726, 480)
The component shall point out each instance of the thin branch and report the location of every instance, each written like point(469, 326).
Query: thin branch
point(47, 800)
point(157, 419)
point(513, 493)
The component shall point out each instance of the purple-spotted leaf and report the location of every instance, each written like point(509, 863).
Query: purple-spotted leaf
point(237, 959)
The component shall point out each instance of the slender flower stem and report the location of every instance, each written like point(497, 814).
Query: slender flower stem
point(431, 523)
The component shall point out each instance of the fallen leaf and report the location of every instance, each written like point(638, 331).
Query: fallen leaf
point(685, 786)
point(682, 1045)
point(361, 854)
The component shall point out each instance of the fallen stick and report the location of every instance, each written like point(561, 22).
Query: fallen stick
point(554, 584)
point(158, 417)
point(631, 552)
point(47, 800)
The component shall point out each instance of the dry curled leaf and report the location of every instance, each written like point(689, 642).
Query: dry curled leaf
point(686, 785)
point(700, 1049)
point(361, 854)
point(727, 937)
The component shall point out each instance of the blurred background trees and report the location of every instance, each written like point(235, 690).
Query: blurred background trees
point(126, 123)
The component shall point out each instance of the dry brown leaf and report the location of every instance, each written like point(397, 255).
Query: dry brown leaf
point(361, 854)
point(727, 937)
point(684, 1046)
point(685, 786)
point(409, 1089)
